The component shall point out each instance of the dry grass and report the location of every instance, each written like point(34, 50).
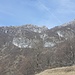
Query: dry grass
point(59, 71)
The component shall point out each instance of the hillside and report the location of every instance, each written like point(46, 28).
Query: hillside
point(59, 71)
point(29, 49)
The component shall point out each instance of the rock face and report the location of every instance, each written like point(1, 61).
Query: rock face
point(28, 49)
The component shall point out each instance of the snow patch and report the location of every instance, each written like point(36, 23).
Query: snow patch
point(60, 34)
point(25, 42)
point(6, 31)
point(22, 42)
point(43, 36)
point(49, 44)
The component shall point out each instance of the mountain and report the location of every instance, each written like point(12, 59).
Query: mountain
point(29, 49)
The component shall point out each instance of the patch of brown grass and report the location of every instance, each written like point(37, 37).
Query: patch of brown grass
point(59, 71)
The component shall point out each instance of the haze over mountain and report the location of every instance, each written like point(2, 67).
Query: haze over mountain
point(29, 49)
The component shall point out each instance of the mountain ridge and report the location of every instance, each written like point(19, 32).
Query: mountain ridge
point(28, 49)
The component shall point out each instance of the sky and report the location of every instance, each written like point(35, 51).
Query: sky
point(49, 13)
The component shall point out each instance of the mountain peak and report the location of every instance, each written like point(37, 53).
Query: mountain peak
point(71, 23)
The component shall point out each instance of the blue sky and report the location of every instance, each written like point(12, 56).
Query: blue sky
point(37, 12)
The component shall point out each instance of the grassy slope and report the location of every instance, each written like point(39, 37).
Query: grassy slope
point(59, 71)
